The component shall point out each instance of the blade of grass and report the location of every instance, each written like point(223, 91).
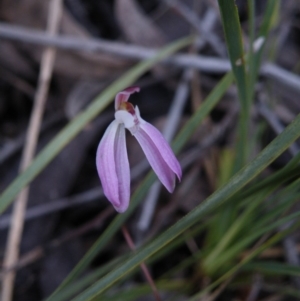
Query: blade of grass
point(245, 84)
point(270, 153)
point(250, 238)
point(76, 125)
point(273, 268)
point(273, 240)
point(288, 195)
point(287, 173)
point(134, 293)
point(282, 289)
point(261, 229)
point(236, 227)
point(233, 36)
point(277, 204)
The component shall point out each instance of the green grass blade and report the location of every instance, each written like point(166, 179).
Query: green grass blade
point(76, 125)
point(209, 263)
point(270, 153)
point(282, 289)
point(134, 293)
point(273, 240)
point(251, 237)
point(273, 268)
point(257, 227)
point(233, 36)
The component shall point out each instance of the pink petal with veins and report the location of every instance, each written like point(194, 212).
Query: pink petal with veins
point(113, 166)
point(159, 154)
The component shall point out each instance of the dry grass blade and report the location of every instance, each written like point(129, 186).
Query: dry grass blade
point(17, 221)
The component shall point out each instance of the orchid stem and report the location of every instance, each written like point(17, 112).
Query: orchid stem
point(142, 265)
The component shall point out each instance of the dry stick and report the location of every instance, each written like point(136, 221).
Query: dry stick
point(275, 123)
point(203, 63)
point(17, 222)
point(142, 265)
point(256, 288)
point(37, 37)
point(193, 19)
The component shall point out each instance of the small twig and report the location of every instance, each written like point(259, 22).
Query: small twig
point(15, 233)
point(142, 265)
point(56, 205)
point(276, 125)
point(281, 76)
point(255, 289)
point(205, 33)
point(38, 37)
point(203, 63)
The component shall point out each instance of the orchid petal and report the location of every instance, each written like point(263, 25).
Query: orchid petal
point(161, 143)
point(113, 166)
point(123, 96)
point(163, 146)
point(159, 154)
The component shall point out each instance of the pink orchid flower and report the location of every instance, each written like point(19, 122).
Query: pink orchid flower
point(112, 160)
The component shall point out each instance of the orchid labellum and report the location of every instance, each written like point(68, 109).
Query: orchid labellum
point(112, 160)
